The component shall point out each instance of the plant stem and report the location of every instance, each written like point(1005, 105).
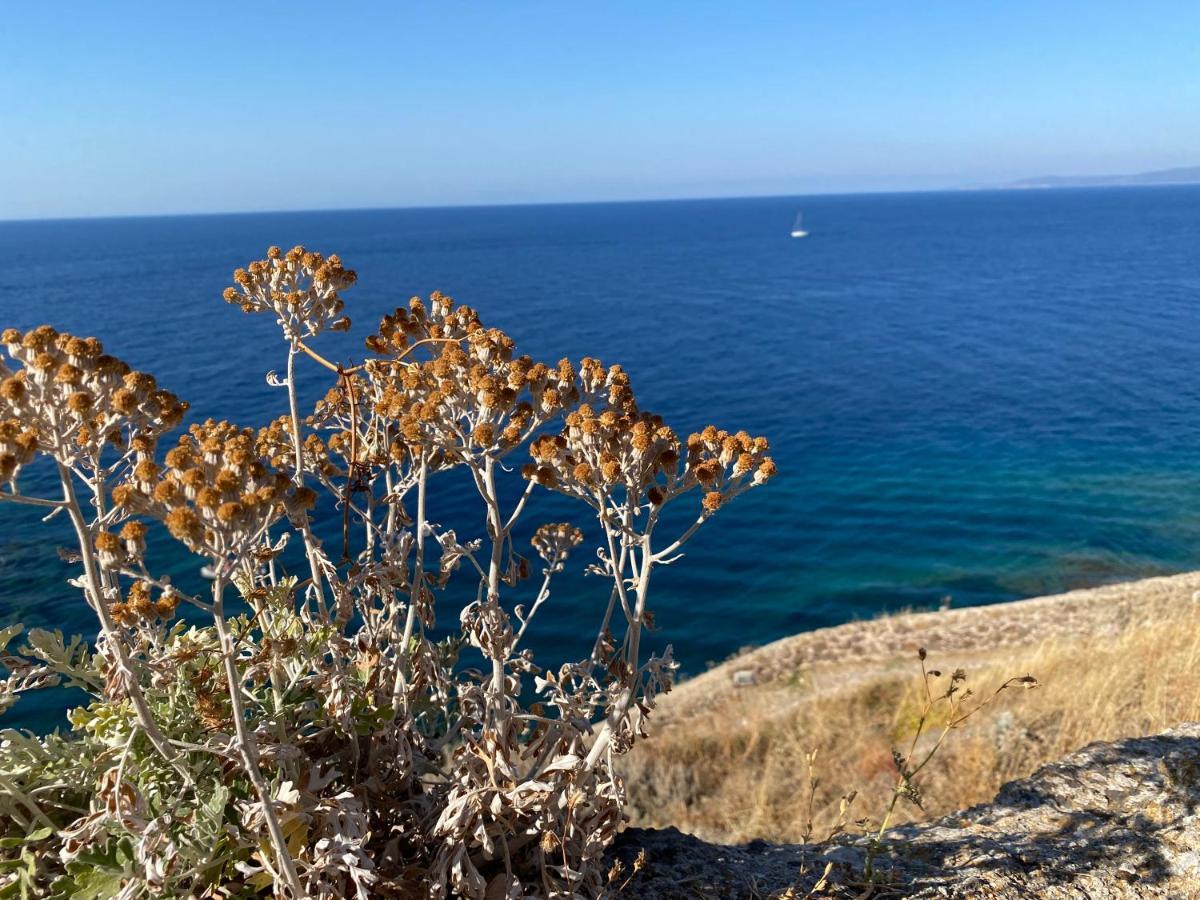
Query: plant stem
point(246, 743)
point(100, 605)
point(499, 534)
point(310, 544)
point(30, 501)
point(634, 645)
point(414, 598)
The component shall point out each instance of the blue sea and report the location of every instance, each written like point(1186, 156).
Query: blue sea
point(977, 396)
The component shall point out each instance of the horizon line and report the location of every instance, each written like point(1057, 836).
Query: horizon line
point(465, 205)
point(1005, 188)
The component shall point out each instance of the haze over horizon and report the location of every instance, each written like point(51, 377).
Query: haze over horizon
point(131, 109)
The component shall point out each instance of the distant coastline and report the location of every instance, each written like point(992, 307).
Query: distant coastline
point(1164, 177)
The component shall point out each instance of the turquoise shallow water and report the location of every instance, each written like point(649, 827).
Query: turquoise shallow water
point(976, 395)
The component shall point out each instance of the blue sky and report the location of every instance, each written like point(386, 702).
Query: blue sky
point(121, 108)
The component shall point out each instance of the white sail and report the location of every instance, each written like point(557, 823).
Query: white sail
point(798, 226)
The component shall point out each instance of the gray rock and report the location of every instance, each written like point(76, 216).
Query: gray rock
point(1113, 820)
point(744, 678)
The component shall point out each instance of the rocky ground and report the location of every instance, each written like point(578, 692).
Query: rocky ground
point(861, 650)
point(1114, 820)
point(1117, 819)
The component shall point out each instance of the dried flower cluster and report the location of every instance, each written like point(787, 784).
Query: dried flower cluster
point(316, 739)
point(301, 287)
point(70, 400)
point(554, 541)
point(214, 493)
point(472, 396)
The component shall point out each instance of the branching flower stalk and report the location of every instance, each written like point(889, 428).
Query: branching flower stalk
point(953, 705)
point(95, 593)
point(326, 745)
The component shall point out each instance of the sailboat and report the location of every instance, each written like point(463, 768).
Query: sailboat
point(798, 226)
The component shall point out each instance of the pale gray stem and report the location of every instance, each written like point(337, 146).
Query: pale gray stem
point(520, 507)
point(499, 535)
point(310, 544)
point(542, 595)
point(618, 567)
point(17, 794)
point(604, 624)
point(30, 501)
point(246, 743)
point(95, 593)
point(604, 739)
point(414, 598)
point(683, 539)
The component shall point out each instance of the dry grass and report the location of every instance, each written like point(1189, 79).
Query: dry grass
point(738, 770)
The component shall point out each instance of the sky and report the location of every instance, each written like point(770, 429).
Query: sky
point(146, 108)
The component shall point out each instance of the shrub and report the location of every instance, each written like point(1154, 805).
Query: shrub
point(312, 734)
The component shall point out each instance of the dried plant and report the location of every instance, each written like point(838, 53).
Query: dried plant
point(307, 733)
point(945, 697)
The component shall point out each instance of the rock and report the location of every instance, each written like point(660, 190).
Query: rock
point(1113, 820)
point(744, 678)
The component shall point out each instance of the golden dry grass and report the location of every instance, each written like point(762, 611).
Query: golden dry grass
point(737, 770)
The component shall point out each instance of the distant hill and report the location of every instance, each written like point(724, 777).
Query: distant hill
point(1186, 175)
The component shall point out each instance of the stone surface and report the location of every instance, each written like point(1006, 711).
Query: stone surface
point(861, 650)
point(1113, 820)
point(744, 678)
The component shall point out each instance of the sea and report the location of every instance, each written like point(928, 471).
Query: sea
point(972, 396)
